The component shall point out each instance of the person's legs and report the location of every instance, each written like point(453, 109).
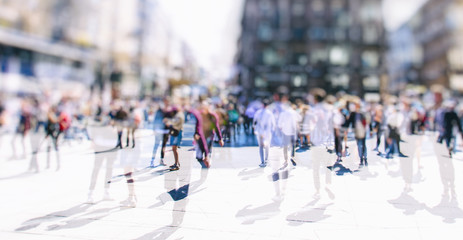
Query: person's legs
point(127, 137)
point(110, 159)
point(379, 132)
point(360, 149)
point(176, 163)
point(448, 143)
point(201, 153)
point(165, 137)
point(133, 137)
point(286, 145)
point(208, 156)
point(119, 139)
point(364, 151)
point(293, 149)
point(157, 141)
point(96, 169)
point(55, 142)
point(293, 146)
point(338, 145)
point(132, 199)
point(261, 149)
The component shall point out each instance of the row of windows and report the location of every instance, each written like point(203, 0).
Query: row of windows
point(369, 10)
point(337, 55)
point(368, 34)
point(27, 63)
point(370, 82)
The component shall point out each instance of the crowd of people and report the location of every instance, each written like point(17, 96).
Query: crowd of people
point(320, 120)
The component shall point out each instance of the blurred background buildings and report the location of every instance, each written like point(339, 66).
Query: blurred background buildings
point(126, 46)
point(427, 50)
point(252, 48)
point(301, 44)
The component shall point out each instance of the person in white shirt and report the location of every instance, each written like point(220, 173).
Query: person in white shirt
point(103, 135)
point(320, 158)
point(264, 126)
point(288, 123)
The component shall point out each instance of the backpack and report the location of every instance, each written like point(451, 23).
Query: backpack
point(233, 116)
point(65, 122)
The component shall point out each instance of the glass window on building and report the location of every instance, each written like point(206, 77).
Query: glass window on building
point(337, 6)
point(317, 33)
point(371, 11)
point(265, 31)
point(270, 57)
point(339, 34)
point(298, 8)
point(26, 63)
point(417, 57)
point(318, 6)
point(265, 7)
point(371, 83)
point(339, 55)
point(370, 34)
point(343, 19)
point(299, 80)
point(302, 59)
point(260, 82)
point(340, 81)
point(318, 55)
point(298, 33)
point(370, 59)
point(455, 58)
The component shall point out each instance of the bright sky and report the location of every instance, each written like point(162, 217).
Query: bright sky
point(396, 12)
point(211, 27)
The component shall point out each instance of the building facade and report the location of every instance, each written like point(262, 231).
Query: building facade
point(302, 44)
point(435, 42)
point(46, 43)
point(84, 42)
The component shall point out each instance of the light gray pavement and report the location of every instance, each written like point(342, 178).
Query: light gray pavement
point(235, 199)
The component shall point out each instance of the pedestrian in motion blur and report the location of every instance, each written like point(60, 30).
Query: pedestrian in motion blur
point(288, 124)
point(264, 125)
point(359, 123)
point(451, 121)
point(207, 126)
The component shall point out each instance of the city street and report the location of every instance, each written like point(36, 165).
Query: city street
point(399, 198)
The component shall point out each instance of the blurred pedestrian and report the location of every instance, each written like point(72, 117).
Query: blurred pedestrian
point(358, 122)
point(207, 126)
point(175, 124)
point(264, 125)
point(288, 125)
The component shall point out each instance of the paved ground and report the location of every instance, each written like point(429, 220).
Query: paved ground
point(400, 198)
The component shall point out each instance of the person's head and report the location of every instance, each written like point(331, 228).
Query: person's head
point(266, 102)
point(318, 98)
point(283, 98)
point(205, 105)
point(230, 106)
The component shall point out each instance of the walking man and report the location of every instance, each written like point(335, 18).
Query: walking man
point(264, 125)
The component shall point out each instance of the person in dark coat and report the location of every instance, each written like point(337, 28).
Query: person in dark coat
point(358, 123)
point(451, 120)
